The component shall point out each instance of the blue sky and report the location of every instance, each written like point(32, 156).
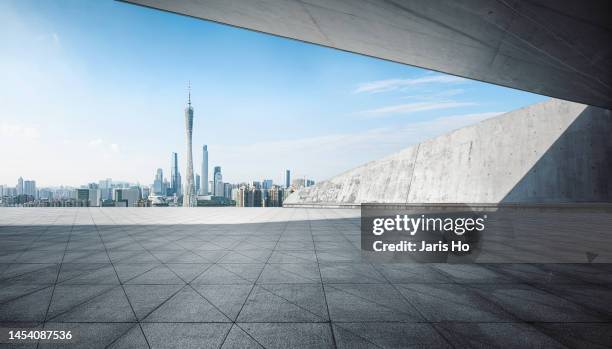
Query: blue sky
point(96, 89)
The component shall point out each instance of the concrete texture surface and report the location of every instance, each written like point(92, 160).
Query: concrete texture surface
point(560, 49)
point(554, 151)
point(274, 278)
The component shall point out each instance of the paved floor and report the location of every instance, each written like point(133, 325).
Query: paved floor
point(274, 278)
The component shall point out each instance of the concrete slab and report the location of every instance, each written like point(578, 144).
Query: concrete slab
point(496, 335)
point(285, 303)
point(558, 49)
point(387, 335)
point(530, 304)
point(321, 296)
point(452, 302)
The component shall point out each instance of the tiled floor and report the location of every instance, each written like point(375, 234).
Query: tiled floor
point(274, 278)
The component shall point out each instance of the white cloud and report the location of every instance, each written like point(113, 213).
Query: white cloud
point(18, 131)
point(435, 95)
point(408, 108)
point(394, 84)
point(107, 149)
point(96, 143)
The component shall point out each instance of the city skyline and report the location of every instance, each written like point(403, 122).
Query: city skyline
point(106, 102)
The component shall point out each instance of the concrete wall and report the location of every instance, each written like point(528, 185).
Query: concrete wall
point(555, 151)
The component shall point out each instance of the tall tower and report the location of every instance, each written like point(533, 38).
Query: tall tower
point(287, 179)
point(174, 176)
point(204, 172)
point(189, 198)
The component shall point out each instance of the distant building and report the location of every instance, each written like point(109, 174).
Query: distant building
point(106, 188)
point(248, 196)
point(301, 183)
point(145, 192)
point(227, 190)
point(158, 183)
point(298, 183)
point(175, 177)
point(287, 179)
point(217, 182)
point(29, 188)
point(197, 183)
point(45, 194)
point(167, 188)
point(87, 197)
point(126, 197)
point(8, 191)
point(267, 184)
point(274, 197)
point(19, 186)
point(204, 172)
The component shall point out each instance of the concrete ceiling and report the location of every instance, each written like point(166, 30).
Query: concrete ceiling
point(561, 49)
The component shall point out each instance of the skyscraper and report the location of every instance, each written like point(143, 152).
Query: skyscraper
point(197, 183)
point(267, 184)
point(204, 173)
point(158, 183)
point(189, 199)
point(217, 182)
point(29, 188)
point(19, 186)
point(175, 182)
point(287, 179)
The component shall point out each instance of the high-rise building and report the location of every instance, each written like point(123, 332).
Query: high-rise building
point(167, 188)
point(267, 184)
point(227, 190)
point(158, 183)
point(87, 197)
point(126, 197)
point(217, 182)
point(106, 188)
point(287, 179)
point(29, 188)
point(204, 172)
point(19, 187)
point(175, 183)
point(250, 196)
point(45, 194)
point(197, 183)
point(274, 197)
point(189, 198)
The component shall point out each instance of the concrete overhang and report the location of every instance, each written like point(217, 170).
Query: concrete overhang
point(561, 49)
